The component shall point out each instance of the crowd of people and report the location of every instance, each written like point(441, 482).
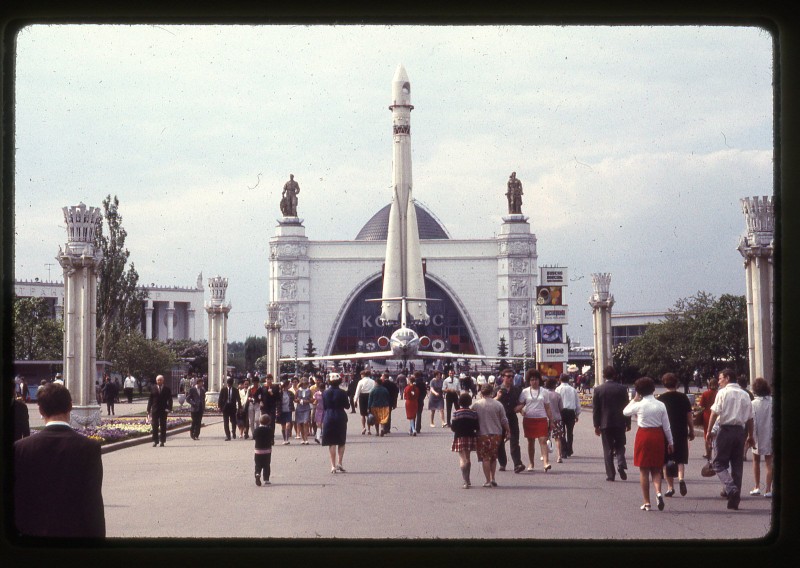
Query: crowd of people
point(483, 415)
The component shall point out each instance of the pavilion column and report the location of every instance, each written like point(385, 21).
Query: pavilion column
point(601, 302)
point(273, 326)
point(217, 337)
point(170, 320)
point(80, 262)
point(757, 247)
point(148, 326)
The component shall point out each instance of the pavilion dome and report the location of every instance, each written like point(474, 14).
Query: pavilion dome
point(377, 228)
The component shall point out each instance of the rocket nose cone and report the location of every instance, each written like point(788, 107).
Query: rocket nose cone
point(401, 87)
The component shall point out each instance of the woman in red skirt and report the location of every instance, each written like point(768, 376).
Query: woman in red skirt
point(411, 396)
point(653, 438)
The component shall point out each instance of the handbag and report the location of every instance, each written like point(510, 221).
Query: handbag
point(708, 470)
point(672, 468)
point(371, 419)
point(549, 445)
point(697, 417)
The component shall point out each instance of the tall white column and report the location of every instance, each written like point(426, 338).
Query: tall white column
point(757, 247)
point(217, 336)
point(148, 326)
point(170, 320)
point(273, 326)
point(80, 260)
point(190, 325)
point(601, 302)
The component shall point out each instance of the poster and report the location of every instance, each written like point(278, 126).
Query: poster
point(548, 295)
point(553, 276)
point(550, 333)
point(551, 369)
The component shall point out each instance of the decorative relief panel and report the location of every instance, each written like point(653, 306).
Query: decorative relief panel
point(288, 290)
point(287, 268)
point(518, 314)
point(519, 287)
point(518, 266)
point(288, 317)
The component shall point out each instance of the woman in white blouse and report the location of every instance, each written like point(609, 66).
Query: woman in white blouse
point(534, 405)
point(653, 438)
point(762, 432)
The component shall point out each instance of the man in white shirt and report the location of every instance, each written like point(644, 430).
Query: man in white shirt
point(450, 389)
point(128, 386)
point(570, 411)
point(361, 398)
point(733, 412)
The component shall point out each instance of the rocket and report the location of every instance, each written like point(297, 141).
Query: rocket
point(402, 276)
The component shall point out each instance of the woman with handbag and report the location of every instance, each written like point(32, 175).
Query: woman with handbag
point(679, 411)
point(557, 426)
point(534, 405)
point(653, 432)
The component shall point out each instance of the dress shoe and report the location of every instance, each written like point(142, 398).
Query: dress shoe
point(258, 480)
point(155, 444)
point(161, 444)
point(228, 439)
point(660, 499)
point(682, 486)
point(669, 493)
point(519, 468)
point(756, 491)
point(501, 468)
point(733, 500)
point(494, 483)
point(609, 479)
point(622, 475)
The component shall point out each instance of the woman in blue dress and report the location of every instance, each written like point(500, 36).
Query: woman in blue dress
point(334, 421)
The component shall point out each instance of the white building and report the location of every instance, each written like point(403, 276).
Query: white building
point(170, 312)
point(626, 326)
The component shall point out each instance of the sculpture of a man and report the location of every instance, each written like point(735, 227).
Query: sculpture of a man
point(514, 194)
point(289, 197)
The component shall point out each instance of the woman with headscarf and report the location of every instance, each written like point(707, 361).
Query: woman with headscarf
point(679, 411)
point(652, 436)
point(380, 406)
point(706, 401)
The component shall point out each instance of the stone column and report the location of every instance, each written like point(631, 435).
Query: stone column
point(516, 283)
point(170, 320)
point(190, 334)
point(217, 336)
point(59, 308)
point(757, 247)
point(148, 326)
point(273, 326)
point(80, 261)
point(289, 282)
point(601, 302)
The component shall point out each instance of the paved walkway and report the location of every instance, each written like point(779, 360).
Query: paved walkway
point(400, 487)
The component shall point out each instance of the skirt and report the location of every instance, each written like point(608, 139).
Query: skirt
point(465, 444)
point(436, 403)
point(363, 403)
point(535, 427)
point(649, 447)
point(381, 414)
point(487, 447)
point(558, 429)
point(286, 417)
point(302, 415)
point(334, 432)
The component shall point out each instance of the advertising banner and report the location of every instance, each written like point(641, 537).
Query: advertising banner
point(548, 295)
point(551, 314)
point(551, 369)
point(551, 352)
point(553, 276)
point(550, 333)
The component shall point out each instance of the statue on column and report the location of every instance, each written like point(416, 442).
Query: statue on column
point(514, 195)
point(289, 197)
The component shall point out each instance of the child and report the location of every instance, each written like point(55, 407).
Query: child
point(264, 436)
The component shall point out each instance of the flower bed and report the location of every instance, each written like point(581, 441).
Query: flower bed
point(126, 427)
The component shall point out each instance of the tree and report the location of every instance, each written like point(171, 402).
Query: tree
point(502, 351)
point(37, 335)
point(144, 358)
point(311, 351)
point(254, 347)
point(193, 353)
point(698, 333)
point(119, 301)
point(621, 357)
point(236, 355)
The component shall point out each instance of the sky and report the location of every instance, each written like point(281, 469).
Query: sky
point(634, 145)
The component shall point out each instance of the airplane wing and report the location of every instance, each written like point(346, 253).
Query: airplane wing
point(346, 357)
point(448, 355)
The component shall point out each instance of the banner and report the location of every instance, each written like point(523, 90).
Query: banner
point(551, 369)
point(548, 295)
point(553, 276)
point(551, 314)
point(550, 333)
point(551, 352)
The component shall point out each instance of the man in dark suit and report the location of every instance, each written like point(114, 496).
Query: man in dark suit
point(197, 401)
point(610, 424)
point(58, 476)
point(229, 402)
point(158, 405)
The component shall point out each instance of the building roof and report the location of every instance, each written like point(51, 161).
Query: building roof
point(377, 228)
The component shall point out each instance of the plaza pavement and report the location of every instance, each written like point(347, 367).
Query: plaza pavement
point(401, 487)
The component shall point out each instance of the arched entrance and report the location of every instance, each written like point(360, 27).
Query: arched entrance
point(359, 330)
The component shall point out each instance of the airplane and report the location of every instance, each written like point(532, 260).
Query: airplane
point(403, 292)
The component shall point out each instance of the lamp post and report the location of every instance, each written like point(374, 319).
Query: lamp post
point(601, 302)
